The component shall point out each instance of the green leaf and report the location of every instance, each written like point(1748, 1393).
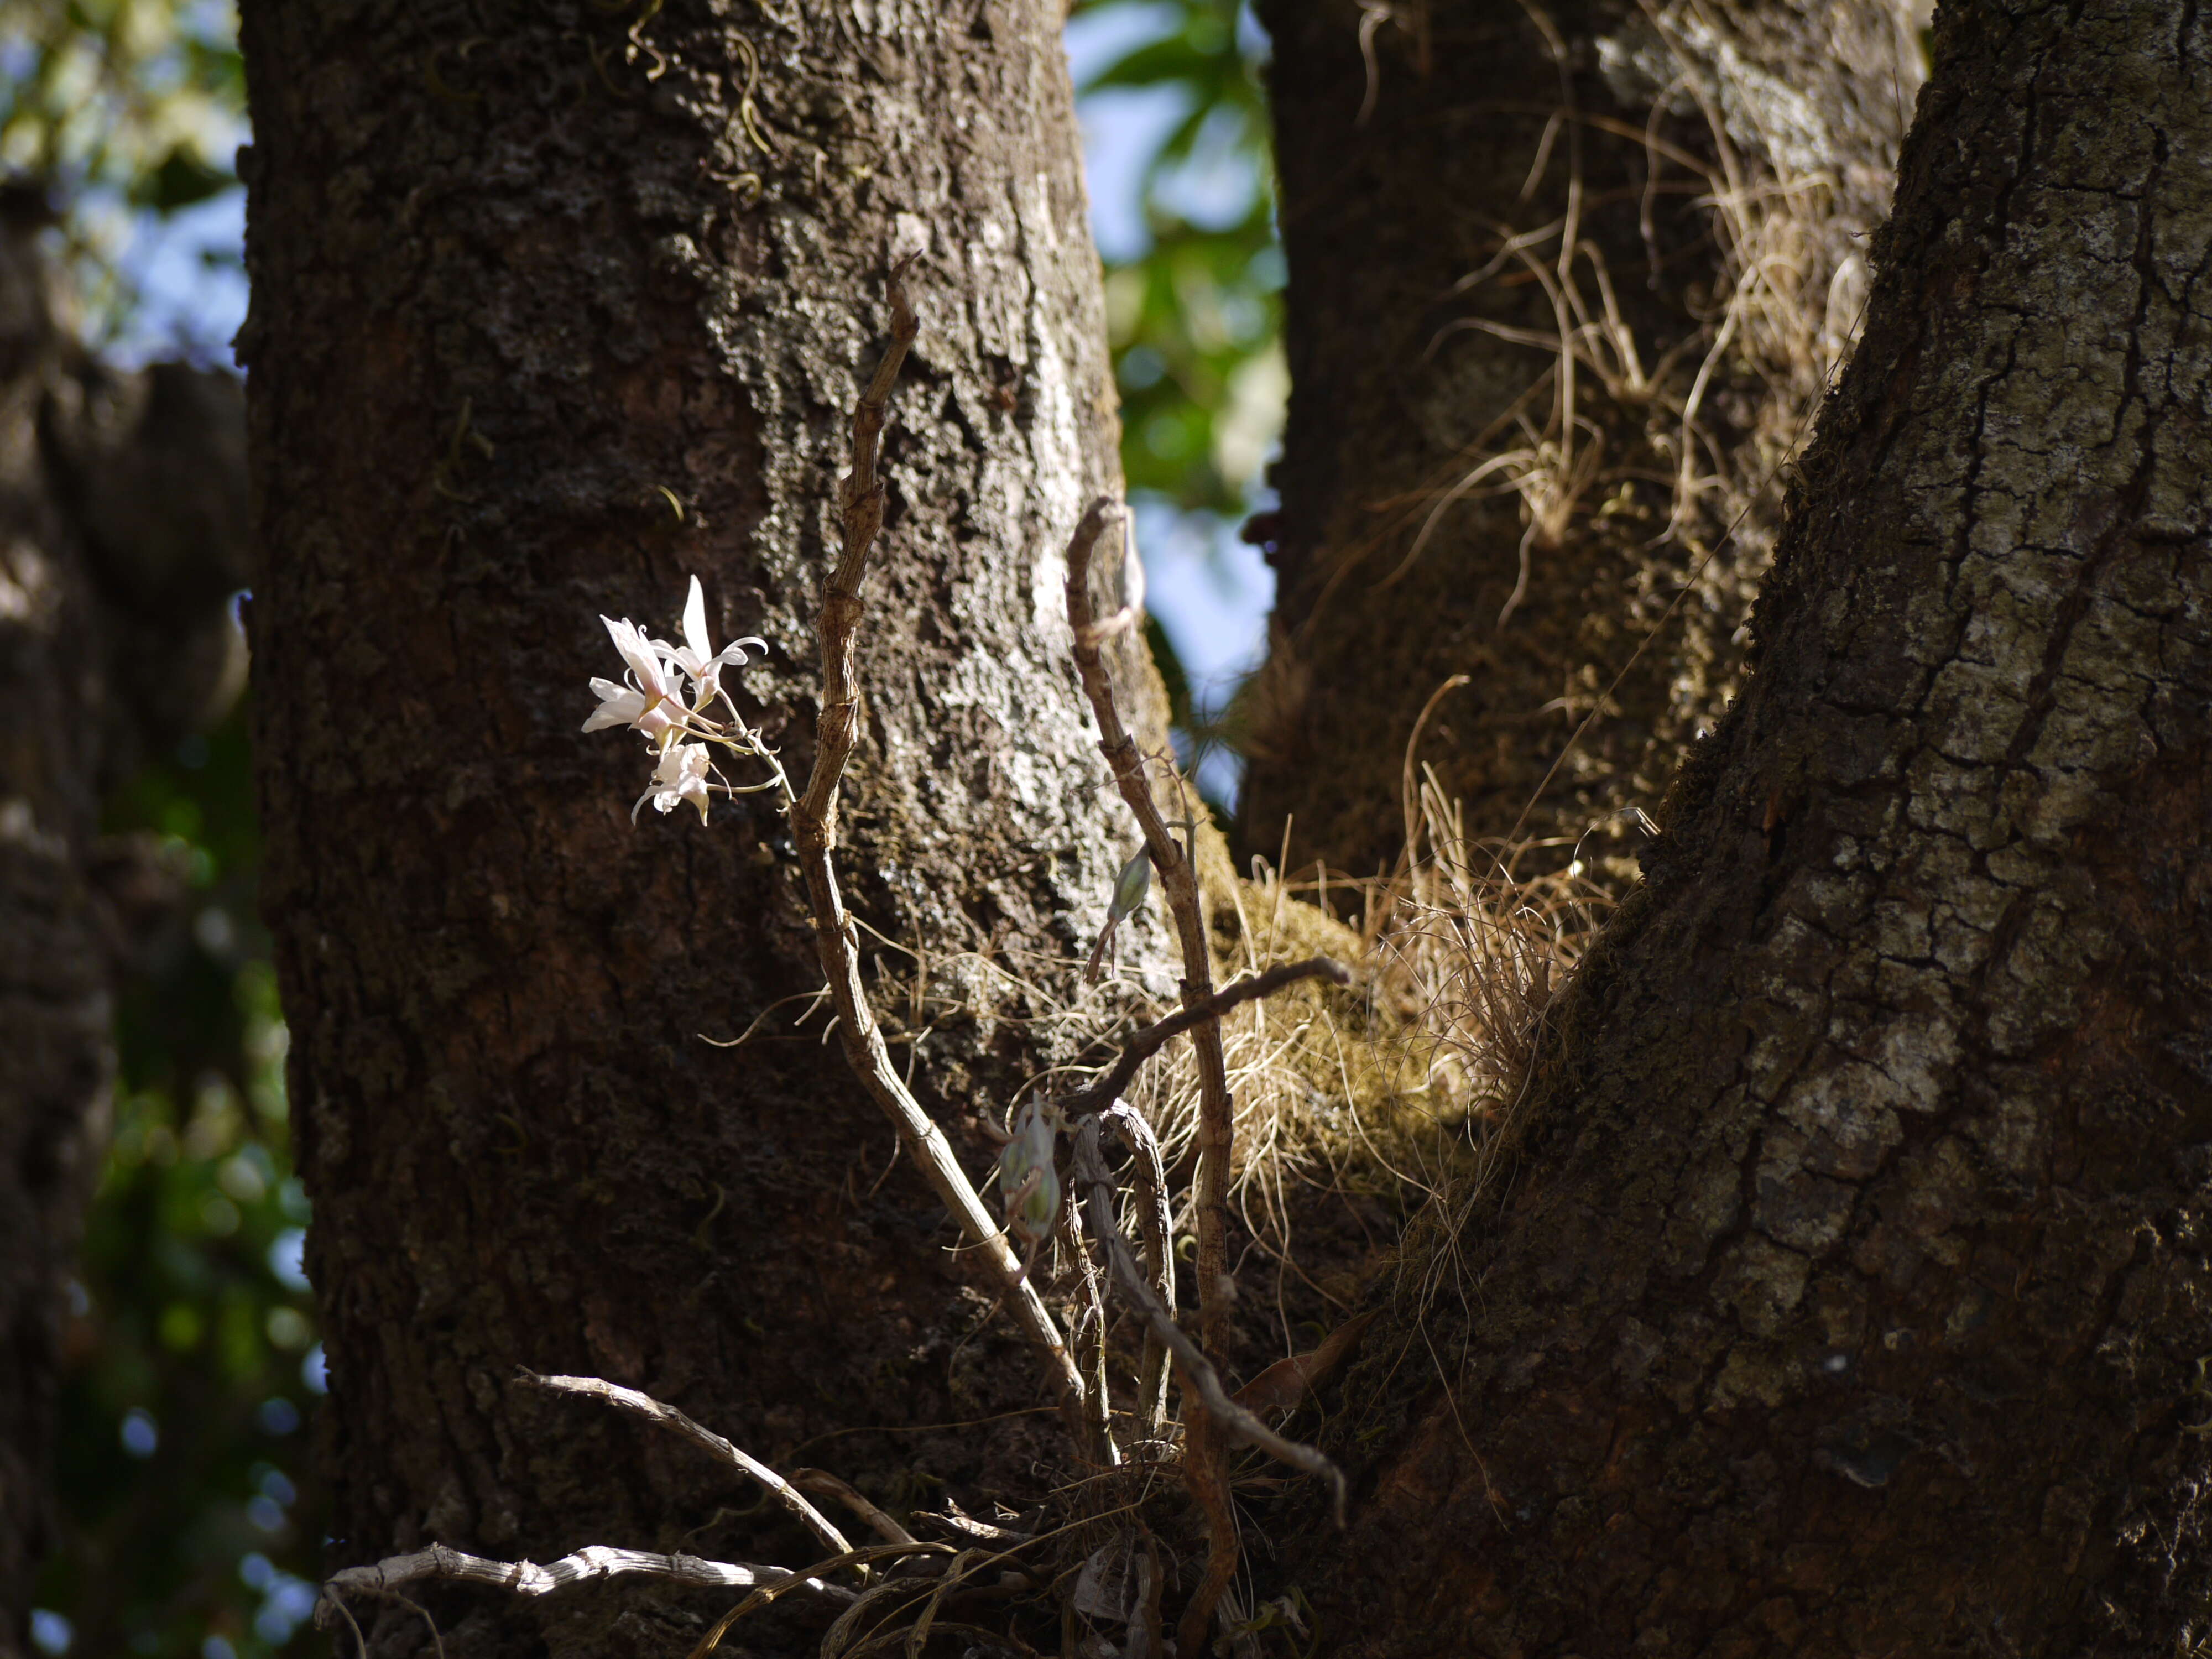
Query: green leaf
point(180, 180)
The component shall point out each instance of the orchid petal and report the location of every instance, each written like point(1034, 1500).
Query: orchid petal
point(695, 625)
point(618, 706)
point(640, 654)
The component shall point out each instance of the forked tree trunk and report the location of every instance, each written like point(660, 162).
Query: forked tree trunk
point(1681, 192)
point(1853, 1293)
point(552, 305)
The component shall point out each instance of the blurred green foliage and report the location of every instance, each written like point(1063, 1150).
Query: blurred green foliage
point(191, 1372)
point(1193, 305)
point(125, 109)
point(1195, 312)
point(191, 1369)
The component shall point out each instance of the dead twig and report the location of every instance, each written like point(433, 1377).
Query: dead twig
point(1090, 1346)
point(1199, 1375)
point(1180, 881)
point(653, 1410)
point(777, 1590)
point(814, 830)
point(955, 1520)
point(1092, 1096)
point(1144, 1629)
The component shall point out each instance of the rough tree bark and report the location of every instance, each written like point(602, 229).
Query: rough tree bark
point(122, 537)
point(553, 305)
point(1855, 1292)
point(1414, 141)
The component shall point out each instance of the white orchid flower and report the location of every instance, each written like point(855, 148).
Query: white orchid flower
point(650, 699)
point(621, 706)
point(697, 657)
point(681, 776)
point(652, 705)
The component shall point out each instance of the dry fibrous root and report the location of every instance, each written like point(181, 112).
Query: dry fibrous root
point(1604, 413)
point(531, 1578)
point(904, 1589)
point(784, 1491)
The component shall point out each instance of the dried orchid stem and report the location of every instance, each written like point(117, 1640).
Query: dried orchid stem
point(1156, 1228)
point(644, 1406)
point(1210, 1193)
point(528, 1578)
point(1206, 1450)
point(1199, 1375)
point(814, 831)
point(1150, 1040)
point(1144, 1629)
point(1205, 1461)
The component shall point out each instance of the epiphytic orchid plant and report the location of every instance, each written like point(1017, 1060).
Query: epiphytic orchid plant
point(652, 698)
point(674, 696)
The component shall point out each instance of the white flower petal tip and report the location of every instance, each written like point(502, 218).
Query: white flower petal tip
point(695, 620)
point(696, 657)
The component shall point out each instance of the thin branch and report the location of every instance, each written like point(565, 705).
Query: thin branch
point(1206, 1460)
point(528, 1578)
point(1180, 881)
point(653, 1410)
point(1094, 1095)
point(1144, 1641)
point(814, 830)
point(1197, 1372)
point(1155, 1227)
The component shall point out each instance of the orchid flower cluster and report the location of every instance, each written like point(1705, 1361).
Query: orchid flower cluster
point(666, 693)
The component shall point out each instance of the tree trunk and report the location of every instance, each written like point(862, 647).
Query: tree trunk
point(1677, 191)
point(56, 1056)
point(553, 305)
point(1853, 1294)
point(121, 541)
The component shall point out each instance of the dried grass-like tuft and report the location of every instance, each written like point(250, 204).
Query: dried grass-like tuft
point(1769, 335)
